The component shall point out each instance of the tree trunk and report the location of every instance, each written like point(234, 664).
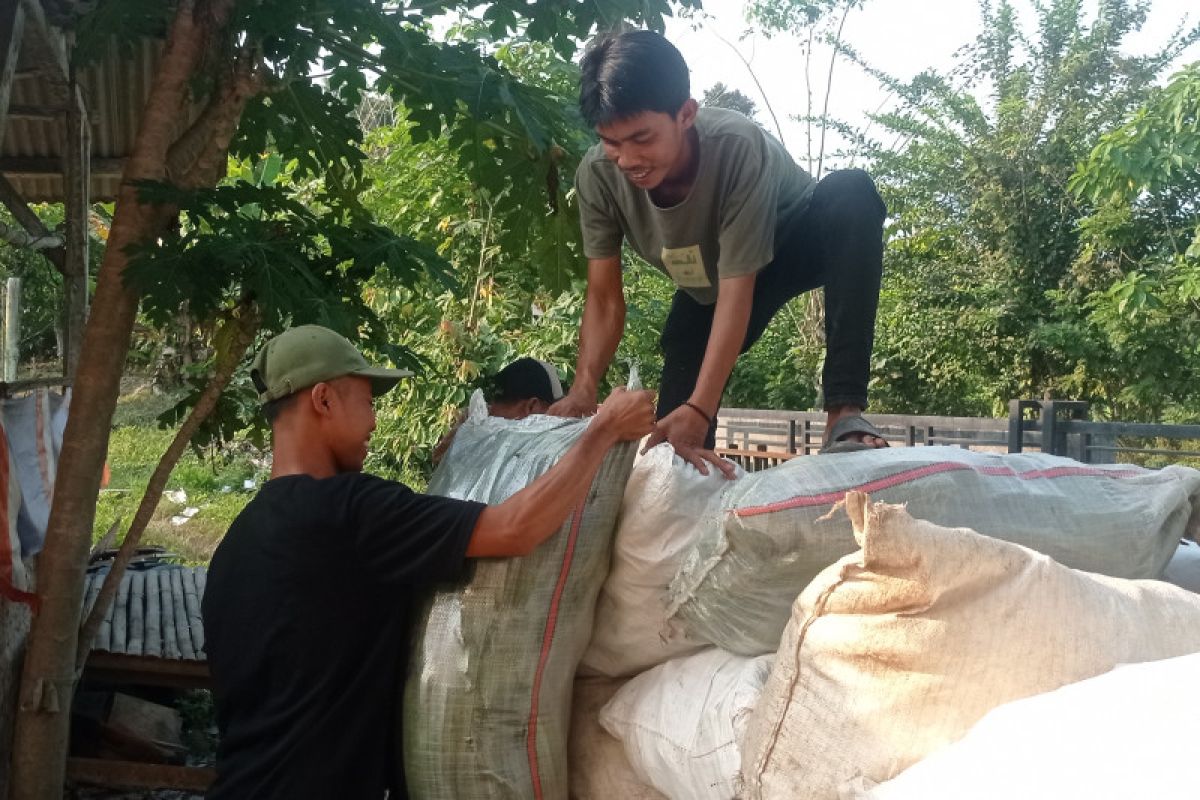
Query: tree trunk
point(49, 676)
point(230, 352)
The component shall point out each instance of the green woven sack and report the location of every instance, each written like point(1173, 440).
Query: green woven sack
point(487, 703)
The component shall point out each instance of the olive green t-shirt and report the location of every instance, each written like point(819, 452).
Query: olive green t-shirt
point(747, 194)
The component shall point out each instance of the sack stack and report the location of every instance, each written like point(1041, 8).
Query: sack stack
point(782, 635)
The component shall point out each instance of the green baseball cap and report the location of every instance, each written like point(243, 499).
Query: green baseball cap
point(309, 354)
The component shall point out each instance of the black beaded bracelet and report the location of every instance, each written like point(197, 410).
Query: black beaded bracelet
point(698, 410)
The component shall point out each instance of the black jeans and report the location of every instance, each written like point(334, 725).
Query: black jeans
point(838, 244)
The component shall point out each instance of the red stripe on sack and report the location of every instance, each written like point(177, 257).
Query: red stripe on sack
point(544, 656)
point(7, 587)
point(828, 498)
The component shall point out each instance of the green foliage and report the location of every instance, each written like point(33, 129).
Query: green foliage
point(41, 287)
point(212, 480)
point(1141, 250)
point(721, 96)
point(294, 236)
point(985, 297)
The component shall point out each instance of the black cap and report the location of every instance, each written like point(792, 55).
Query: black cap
point(526, 378)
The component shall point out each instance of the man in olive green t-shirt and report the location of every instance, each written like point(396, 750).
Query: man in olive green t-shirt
point(709, 198)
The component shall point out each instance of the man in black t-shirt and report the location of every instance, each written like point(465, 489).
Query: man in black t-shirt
point(307, 606)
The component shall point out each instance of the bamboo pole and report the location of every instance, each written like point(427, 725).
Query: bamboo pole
point(183, 630)
point(191, 597)
point(104, 635)
point(170, 641)
point(120, 623)
point(137, 616)
point(153, 645)
point(12, 328)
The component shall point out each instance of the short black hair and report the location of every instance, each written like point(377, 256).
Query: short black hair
point(624, 74)
point(527, 378)
point(271, 410)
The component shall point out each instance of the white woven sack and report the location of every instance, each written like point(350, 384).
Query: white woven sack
point(1129, 733)
point(682, 723)
point(735, 588)
point(667, 504)
point(1184, 567)
point(596, 761)
point(896, 651)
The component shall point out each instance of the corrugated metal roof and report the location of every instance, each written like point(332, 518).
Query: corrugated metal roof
point(114, 87)
point(114, 90)
point(156, 613)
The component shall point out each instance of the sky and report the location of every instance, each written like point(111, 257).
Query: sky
point(900, 37)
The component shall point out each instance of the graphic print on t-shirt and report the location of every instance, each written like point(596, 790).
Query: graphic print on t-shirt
point(686, 266)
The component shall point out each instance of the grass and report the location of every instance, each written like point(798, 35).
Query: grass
point(213, 484)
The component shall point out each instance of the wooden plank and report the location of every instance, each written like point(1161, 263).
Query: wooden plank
point(153, 722)
point(132, 775)
point(191, 598)
point(76, 144)
point(1147, 430)
point(116, 669)
point(899, 421)
point(183, 630)
point(10, 388)
point(170, 644)
point(136, 636)
point(120, 621)
point(12, 31)
point(201, 576)
point(36, 166)
point(153, 643)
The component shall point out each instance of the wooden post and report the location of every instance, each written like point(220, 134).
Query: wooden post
point(12, 328)
point(76, 184)
point(1050, 428)
point(12, 29)
point(1016, 430)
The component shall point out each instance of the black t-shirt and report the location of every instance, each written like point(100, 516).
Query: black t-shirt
point(306, 616)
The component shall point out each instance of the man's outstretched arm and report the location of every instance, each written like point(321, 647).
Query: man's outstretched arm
point(523, 521)
point(599, 335)
point(687, 426)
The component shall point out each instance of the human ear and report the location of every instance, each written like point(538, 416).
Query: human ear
point(319, 397)
point(687, 112)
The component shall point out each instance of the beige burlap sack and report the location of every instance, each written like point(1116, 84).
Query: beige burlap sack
point(596, 764)
point(897, 650)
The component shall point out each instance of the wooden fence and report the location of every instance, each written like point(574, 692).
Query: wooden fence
point(758, 438)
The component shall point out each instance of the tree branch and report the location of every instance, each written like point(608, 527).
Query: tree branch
point(243, 326)
point(761, 91)
point(53, 247)
point(20, 238)
point(837, 47)
point(198, 157)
